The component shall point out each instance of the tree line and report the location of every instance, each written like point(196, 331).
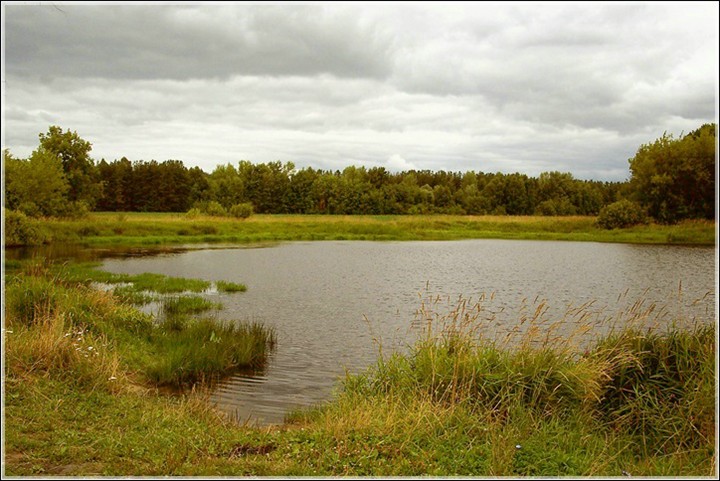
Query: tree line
point(671, 179)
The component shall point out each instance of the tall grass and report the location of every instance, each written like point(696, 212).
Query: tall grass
point(202, 350)
point(641, 399)
point(47, 311)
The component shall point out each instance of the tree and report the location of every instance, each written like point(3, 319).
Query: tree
point(36, 186)
point(675, 178)
point(226, 186)
point(74, 154)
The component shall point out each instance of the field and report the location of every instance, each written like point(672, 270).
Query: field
point(104, 229)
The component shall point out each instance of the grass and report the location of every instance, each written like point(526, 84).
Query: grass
point(83, 370)
point(225, 286)
point(88, 272)
point(177, 306)
point(106, 229)
point(42, 301)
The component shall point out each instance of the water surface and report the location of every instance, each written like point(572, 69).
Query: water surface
point(333, 304)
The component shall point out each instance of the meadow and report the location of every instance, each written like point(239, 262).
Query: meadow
point(107, 229)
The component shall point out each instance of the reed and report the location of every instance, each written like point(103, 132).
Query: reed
point(532, 402)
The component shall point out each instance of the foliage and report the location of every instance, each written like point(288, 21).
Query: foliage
point(79, 168)
point(671, 179)
point(277, 188)
point(18, 230)
point(215, 209)
point(36, 186)
point(193, 213)
point(242, 211)
point(620, 214)
point(675, 178)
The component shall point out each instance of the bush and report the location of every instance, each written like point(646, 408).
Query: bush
point(555, 207)
point(622, 213)
point(193, 213)
point(30, 209)
point(21, 231)
point(75, 210)
point(242, 211)
point(215, 209)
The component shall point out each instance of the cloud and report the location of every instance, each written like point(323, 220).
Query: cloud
point(457, 86)
point(395, 163)
point(151, 42)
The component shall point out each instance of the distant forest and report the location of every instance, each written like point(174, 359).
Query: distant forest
point(671, 179)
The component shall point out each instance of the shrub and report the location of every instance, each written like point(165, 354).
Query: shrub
point(193, 213)
point(214, 208)
point(30, 209)
point(553, 207)
point(622, 213)
point(75, 210)
point(242, 211)
point(21, 231)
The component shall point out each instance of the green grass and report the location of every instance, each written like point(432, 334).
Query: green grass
point(83, 368)
point(225, 286)
point(191, 351)
point(105, 229)
point(47, 298)
point(175, 306)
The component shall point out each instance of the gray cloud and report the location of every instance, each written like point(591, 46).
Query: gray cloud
point(489, 87)
point(140, 42)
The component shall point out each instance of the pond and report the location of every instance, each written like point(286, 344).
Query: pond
point(334, 305)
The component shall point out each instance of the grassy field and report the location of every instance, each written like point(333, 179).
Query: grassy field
point(165, 229)
point(83, 372)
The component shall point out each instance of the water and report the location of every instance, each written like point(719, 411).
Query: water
point(333, 304)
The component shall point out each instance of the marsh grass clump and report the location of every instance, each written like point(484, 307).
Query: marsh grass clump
point(129, 294)
point(226, 286)
point(175, 306)
point(195, 350)
point(164, 284)
point(31, 299)
point(659, 386)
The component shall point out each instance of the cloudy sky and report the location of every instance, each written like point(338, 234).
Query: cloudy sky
point(488, 87)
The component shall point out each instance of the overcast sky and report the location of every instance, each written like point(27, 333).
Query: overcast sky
point(488, 87)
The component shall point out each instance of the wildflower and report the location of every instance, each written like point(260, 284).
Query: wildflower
point(90, 348)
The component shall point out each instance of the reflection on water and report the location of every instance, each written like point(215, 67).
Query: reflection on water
point(334, 304)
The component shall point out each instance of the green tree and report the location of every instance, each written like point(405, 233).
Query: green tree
point(675, 178)
point(226, 186)
point(36, 186)
point(74, 154)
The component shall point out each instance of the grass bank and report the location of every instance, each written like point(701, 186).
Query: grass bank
point(81, 398)
point(165, 228)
